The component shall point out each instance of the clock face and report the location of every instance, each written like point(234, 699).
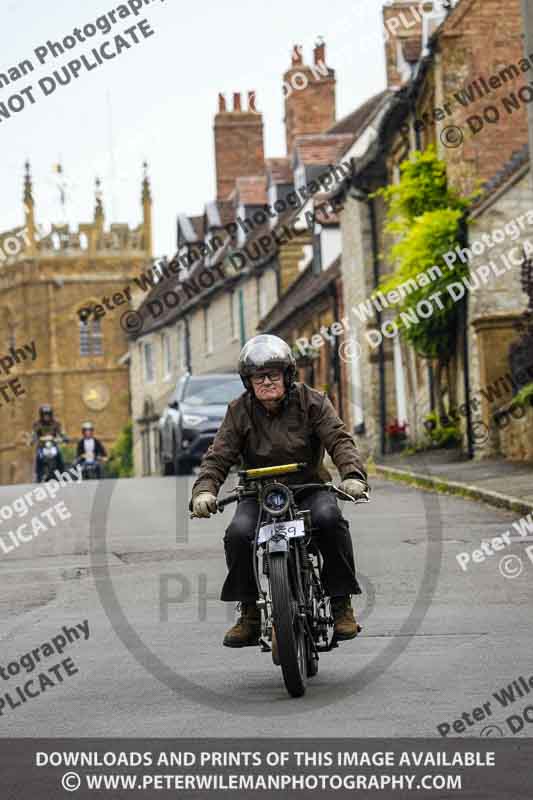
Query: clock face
point(96, 396)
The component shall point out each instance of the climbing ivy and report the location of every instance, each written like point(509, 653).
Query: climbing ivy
point(424, 217)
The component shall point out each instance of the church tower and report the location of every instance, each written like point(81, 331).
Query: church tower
point(78, 366)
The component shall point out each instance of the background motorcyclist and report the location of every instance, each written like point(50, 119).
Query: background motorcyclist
point(47, 425)
point(278, 421)
point(90, 449)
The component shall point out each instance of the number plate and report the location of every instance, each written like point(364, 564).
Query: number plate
point(291, 529)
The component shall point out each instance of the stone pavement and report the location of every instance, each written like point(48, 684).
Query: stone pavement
point(493, 480)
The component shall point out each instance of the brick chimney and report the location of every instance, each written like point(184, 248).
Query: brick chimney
point(309, 95)
point(239, 149)
point(402, 21)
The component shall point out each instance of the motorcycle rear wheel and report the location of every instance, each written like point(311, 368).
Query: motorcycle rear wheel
point(290, 632)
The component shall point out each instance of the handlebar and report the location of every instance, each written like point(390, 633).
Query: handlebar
point(225, 501)
point(233, 497)
point(330, 487)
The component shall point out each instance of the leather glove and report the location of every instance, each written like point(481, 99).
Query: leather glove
point(204, 504)
point(354, 488)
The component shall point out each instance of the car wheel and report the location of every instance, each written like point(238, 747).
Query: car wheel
point(183, 466)
point(167, 467)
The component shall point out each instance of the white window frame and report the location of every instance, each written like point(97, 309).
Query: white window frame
point(166, 349)
point(182, 347)
point(241, 234)
point(234, 314)
point(262, 305)
point(208, 331)
point(148, 362)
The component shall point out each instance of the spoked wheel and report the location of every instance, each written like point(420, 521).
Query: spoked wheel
point(311, 654)
point(312, 660)
point(290, 631)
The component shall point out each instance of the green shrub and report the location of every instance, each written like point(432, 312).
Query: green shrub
point(442, 433)
point(120, 464)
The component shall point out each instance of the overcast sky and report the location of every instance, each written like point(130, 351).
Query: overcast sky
point(157, 100)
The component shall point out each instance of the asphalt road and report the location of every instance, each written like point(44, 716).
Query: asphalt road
point(437, 642)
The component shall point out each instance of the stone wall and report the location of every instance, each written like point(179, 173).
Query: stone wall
point(358, 284)
point(477, 46)
point(496, 306)
point(516, 437)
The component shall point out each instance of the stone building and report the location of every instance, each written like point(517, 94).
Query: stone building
point(242, 253)
point(501, 238)
point(446, 69)
point(77, 367)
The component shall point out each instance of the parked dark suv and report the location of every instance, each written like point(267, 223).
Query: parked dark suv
point(193, 415)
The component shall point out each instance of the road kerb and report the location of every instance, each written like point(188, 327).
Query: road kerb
point(437, 483)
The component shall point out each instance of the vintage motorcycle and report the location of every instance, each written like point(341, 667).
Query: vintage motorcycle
point(287, 566)
point(49, 456)
point(91, 468)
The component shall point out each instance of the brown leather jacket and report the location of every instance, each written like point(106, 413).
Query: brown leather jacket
point(306, 424)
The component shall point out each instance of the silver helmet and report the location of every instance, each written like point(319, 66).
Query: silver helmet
point(265, 351)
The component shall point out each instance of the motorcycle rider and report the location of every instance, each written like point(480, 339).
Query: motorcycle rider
point(90, 449)
point(277, 421)
point(47, 425)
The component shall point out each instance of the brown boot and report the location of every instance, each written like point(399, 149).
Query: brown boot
point(346, 626)
point(247, 629)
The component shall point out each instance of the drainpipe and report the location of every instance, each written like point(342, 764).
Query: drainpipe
point(463, 242)
point(188, 346)
point(431, 376)
point(361, 194)
point(337, 372)
point(381, 351)
point(527, 16)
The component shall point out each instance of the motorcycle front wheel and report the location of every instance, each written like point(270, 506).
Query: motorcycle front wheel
point(290, 630)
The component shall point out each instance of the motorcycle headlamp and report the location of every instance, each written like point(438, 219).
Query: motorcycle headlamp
point(276, 499)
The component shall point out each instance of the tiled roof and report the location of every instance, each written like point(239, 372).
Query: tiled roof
point(353, 122)
point(322, 148)
point(300, 294)
point(518, 159)
point(267, 249)
point(251, 190)
point(279, 170)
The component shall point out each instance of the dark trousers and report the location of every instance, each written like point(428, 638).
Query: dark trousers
point(39, 464)
point(332, 536)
